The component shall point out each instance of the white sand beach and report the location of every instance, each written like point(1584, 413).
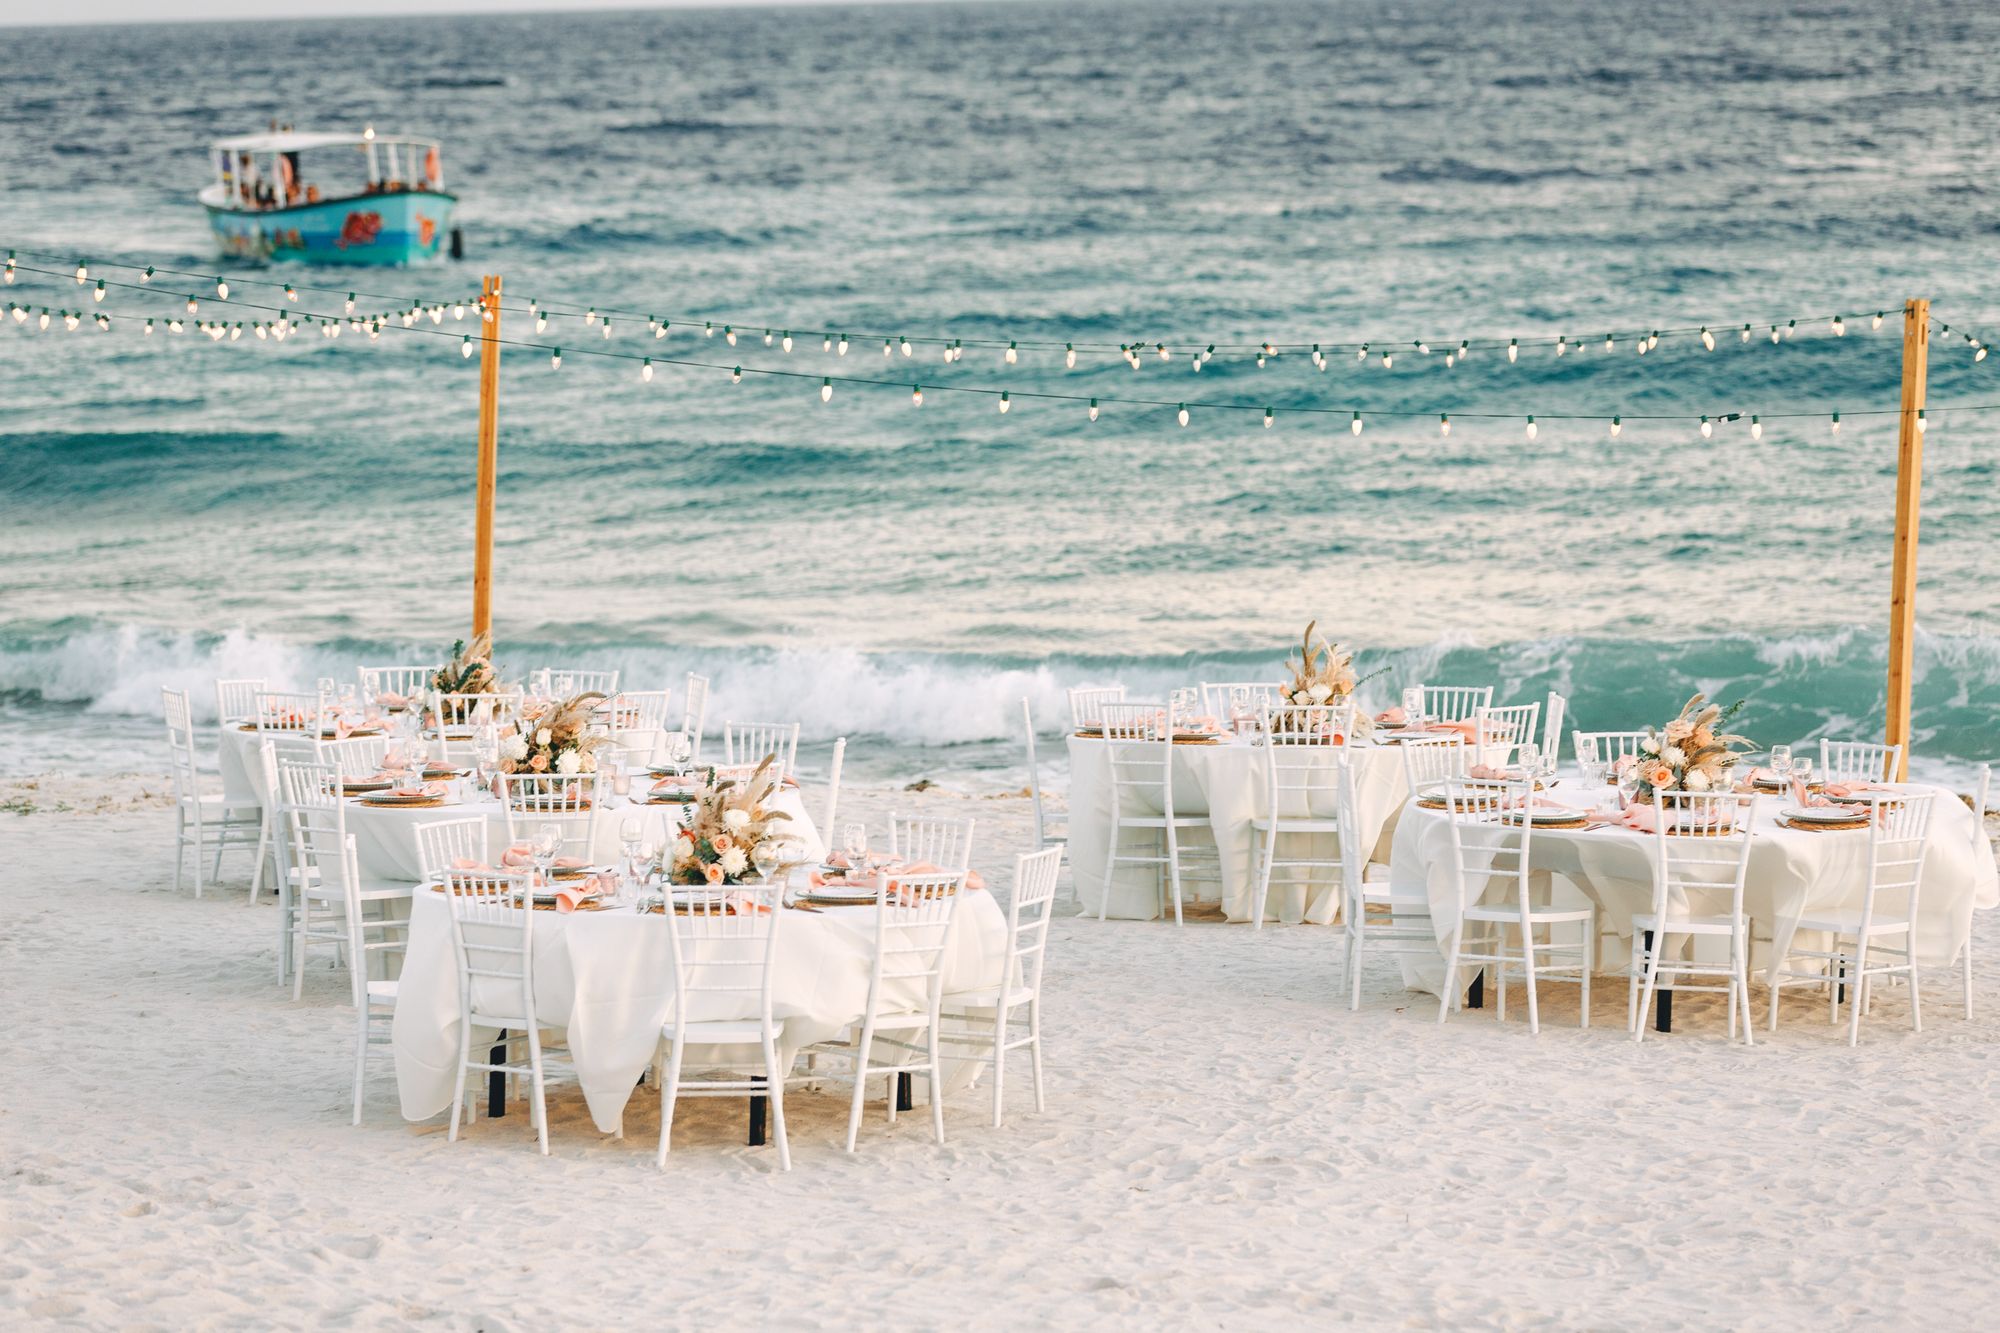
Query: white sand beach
point(1225, 1146)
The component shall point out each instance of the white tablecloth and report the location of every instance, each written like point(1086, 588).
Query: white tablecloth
point(1227, 783)
point(385, 838)
point(1792, 873)
point(605, 981)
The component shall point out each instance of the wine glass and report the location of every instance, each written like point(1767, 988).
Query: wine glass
point(630, 830)
point(350, 702)
point(1239, 707)
point(1781, 764)
point(548, 841)
point(854, 842)
point(679, 751)
point(766, 856)
point(1182, 702)
point(1802, 771)
point(1628, 786)
point(1529, 756)
point(1413, 707)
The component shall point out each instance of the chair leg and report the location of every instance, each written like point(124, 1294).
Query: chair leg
point(1110, 871)
point(263, 850)
point(861, 1049)
point(458, 1096)
point(1174, 867)
point(541, 1104)
point(1967, 966)
point(1451, 982)
point(1589, 943)
point(1855, 997)
point(1742, 980)
point(180, 844)
point(1528, 965)
point(1035, 1049)
point(670, 1091)
point(1653, 956)
point(1270, 852)
point(198, 854)
point(1354, 948)
point(999, 1062)
point(937, 1097)
point(774, 1096)
point(1916, 990)
point(360, 1059)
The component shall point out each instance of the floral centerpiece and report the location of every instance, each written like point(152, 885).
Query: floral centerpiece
point(1323, 676)
point(559, 739)
point(470, 671)
point(1693, 753)
point(722, 827)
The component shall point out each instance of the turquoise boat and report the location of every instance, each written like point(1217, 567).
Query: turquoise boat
point(363, 199)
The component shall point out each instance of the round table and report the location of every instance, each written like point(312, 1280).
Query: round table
point(1792, 873)
point(605, 980)
point(1225, 781)
point(385, 837)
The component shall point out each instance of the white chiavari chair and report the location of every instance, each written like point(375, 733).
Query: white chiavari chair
point(1701, 851)
point(1490, 837)
point(457, 719)
point(1258, 694)
point(274, 846)
point(493, 950)
point(572, 802)
point(913, 921)
point(637, 720)
point(943, 843)
point(694, 713)
point(1140, 754)
point(566, 683)
point(1008, 1016)
point(401, 684)
point(291, 711)
point(203, 818)
point(1305, 769)
point(723, 944)
point(1882, 928)
point(1608, 747)
point(1982, 846)
point(749, 742)
point(1501, 732)
point(1086, 705)
point(1046, 835)
point(1429, 763)
point(328, 897)
point(355, 756)
point(1455, 703)
point(1858, 761)
point(236, 700)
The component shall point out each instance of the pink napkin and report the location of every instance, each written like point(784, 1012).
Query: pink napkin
point(427, 789)
point(390, 699)
point(571, 892)
point(1839, 790)
point(518, 857)
point(1391, 717)
point(677, 784)
point(1490, 774)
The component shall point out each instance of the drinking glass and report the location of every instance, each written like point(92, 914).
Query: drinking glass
point(766, 856)
point(679, 751)
point(1239, 707)
point(350, 703)
point(1802, 771)
point(1413, 706)
point(1781, 764)
point(854, 841)
point(621, 776)
point(1529, 756)
point(548, 841)
point(1183, 707)
point(1628, 786)
point(630, 830)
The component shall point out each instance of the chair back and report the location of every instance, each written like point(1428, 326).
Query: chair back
point(1501, 732)
point(567, 683)
point(1305, 754)
point(445, 843)
point(291, 711)
point(723, 943)
point(1455, 703)
point(1256, 696)
point(638, 718)
point(1857, 761)
point(407, 683)
point(749, 742)
point(694, 712)
point(492, 944)
point(1489, 838)
point(1086, 706)
point(315, 819)
point(573, 802)
point(913, 920)
point(1608, 747)
point(1429, 762)
point(462, 712)
point(356, 756)
point(1898, 837)
point(1701, 843)
point(236, 700)
point(180, 744)
point(1028, 914)
point(944, 843)
point(1139, 749)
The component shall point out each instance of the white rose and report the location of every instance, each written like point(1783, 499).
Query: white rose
point(1650, 746)
point(569, 761)
point(542, 736)
point(733, 861)
point(590, 763)
point(735, 820)
point(683, 850)
point(1321, 692)
point(1696, 781)
point(516, 747)
point(1302, 697)
point(1674, 755)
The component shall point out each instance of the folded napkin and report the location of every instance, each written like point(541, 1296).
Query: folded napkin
point(391, 699)
point(427, 789)
point(677, 784)
point(1840, 790)
point(1391, 717)
point(972, 879)
point(1487, 773)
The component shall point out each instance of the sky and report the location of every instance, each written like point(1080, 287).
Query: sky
point(169, 11)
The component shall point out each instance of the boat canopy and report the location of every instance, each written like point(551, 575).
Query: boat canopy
point(264, 170)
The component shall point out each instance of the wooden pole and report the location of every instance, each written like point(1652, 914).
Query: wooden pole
point(1909, 500)
point(489, 454)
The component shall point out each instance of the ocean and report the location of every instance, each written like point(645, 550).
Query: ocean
point(1171, 173)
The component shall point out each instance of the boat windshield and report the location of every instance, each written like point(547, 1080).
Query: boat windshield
point(285, 168)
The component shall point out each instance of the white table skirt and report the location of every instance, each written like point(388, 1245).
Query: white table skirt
point(1227, 783)
point(1792, 873)
point(385, 838)
point(604, 981)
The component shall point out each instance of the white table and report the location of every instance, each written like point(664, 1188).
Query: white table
point(385, 837)
point(1792, 873)
point(605, 980)
point(1226, 782)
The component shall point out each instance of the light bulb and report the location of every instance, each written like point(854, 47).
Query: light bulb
point(728, 334)
point(43, 321)
point(826, 391)
point(1707, 339)
point(1093, 409)
point(1182, 415)
point(98, 294)
point(888, 348)
point(350, 303)
point(1423, 348)
point(1876, 322)
point(1162, 347)
point(1355, 425)
point(1012, 355)
point(646, 370)
point(767, 337)
point(236, 332)
point(221, 290)
point(736, 375)
point(916, 395)
point(174, 326)
point(1513, 350)
point(192, 305)
point(1562, 344)
point(1464, 349)
point(1270, 418)
point(1069, 356)
point(1533, 429)
point(1197, 363)
point(555, 359)
point(590, 317)
point(1653, 339)
point(1644, 347)
point(1362, 355)
point(1617, 425)
point(291, 292)
point(1003, 402)
point(1920, 420)
point(1609, 342)
point(1260, 360)
point(1774, 333)
point(1208, 352)
point(1839, 327)
point(1707, 428)
point(1444, 423)
point(842, 348)
point(607, 328)
point(1792, 326)
point(1756, 429)
point(541, 321)
point(149, 328)
point(1745, 335)
point(1387, 361)
point(259, 330)
point(1450, 360)
point(785, 340)
point(1836, 423)
point(1980, 355)
point(70, 321)
point(82, 272)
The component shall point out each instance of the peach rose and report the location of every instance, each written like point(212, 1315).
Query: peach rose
point(713, 873)
point(1660, 775)
point(722, 842)
point(539, 762)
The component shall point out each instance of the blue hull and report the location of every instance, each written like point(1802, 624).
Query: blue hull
point(411, 227)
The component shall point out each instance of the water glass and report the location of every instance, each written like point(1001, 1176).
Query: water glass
point(548, 841)
point(1529, 756)
point(1781, 764)
point(765, 856)
point(1413, 706)
point(854, 841)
